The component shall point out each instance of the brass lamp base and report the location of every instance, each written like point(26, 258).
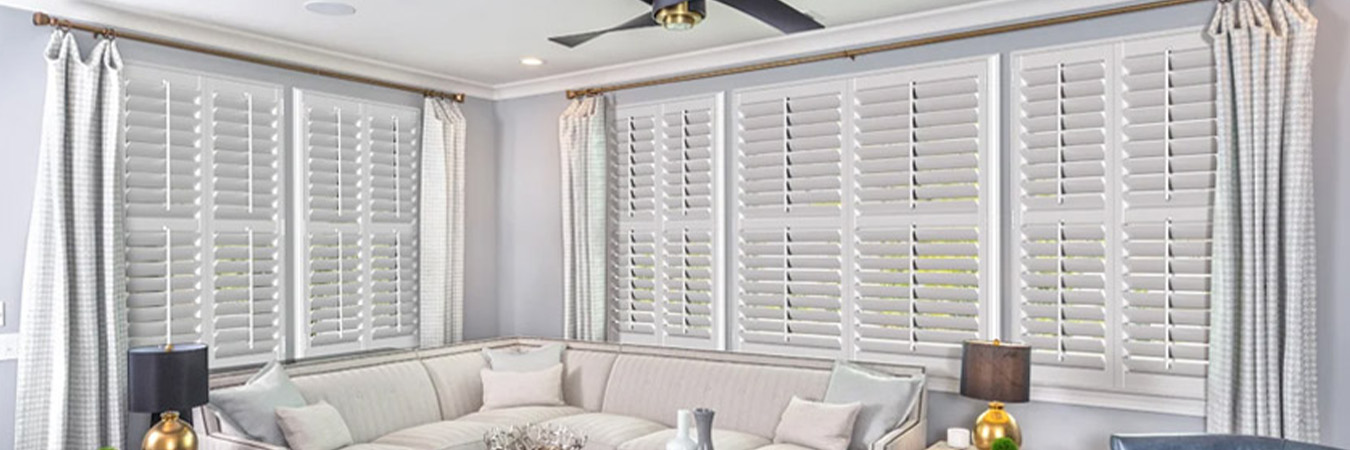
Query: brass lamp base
point(170, 434)
point(993, 424)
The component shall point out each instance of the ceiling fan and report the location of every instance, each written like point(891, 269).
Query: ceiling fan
point(684, 14)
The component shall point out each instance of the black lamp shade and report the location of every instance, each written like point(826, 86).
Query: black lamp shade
point(996, 371)
point(161, 378)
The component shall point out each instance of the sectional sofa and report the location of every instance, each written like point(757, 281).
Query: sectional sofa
point(623, 397)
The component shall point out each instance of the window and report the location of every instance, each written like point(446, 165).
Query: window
point(863, 211)
point(665, 252)
point(203, 214)
point(357, 248)
point(211, 250)
point(1116, 145)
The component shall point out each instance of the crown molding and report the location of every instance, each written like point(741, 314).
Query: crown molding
point(966, 16)
point(211, 35)
point(891, 29)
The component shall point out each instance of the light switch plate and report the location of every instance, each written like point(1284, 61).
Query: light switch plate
point(9, 346)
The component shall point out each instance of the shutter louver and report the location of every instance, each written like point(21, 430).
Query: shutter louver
point(634, 282)
point(162, 140)
point(246, 311)
point(245, 223)
point(164, 296)
point(664, 250)
point(394, 171)
point(635, 172)
point(918, 289)
point(919, 163)
point(335, 282)
point(1061, 218)
point(361, 167)
point(791, 285)
point(789, 152)
point(688, 271)
point(1168, 162)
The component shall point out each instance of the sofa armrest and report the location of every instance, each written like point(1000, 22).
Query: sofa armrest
point(911, 436)
point(212, 436)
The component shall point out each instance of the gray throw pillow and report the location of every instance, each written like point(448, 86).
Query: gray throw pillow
point(253, 407)
point(533, 360)
point(314, 427)
point(886, 399)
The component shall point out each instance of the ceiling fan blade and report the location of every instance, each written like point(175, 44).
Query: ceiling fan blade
point(775, 13)
point(574, 40)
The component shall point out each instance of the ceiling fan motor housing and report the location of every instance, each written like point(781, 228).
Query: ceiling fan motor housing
point(679, 14)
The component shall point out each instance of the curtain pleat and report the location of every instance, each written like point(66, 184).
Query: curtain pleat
point(584, 138)
point(1262, 375)
point(441, 261)
point(71, 389)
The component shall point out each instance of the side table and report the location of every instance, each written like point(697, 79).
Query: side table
point(942, 445)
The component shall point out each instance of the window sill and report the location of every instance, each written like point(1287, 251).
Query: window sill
point(1180, 406)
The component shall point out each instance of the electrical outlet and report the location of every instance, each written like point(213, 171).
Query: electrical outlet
point(9, 346)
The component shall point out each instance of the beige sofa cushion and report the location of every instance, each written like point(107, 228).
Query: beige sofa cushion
point(586, 376)
point(607, 431)
point(376, 400)
point(722, 440)
point(459, 386)
point(447, 435)
point(747, 398)
point(784, 447)
point(522, 415)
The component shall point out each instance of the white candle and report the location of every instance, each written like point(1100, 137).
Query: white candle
point(958, 437)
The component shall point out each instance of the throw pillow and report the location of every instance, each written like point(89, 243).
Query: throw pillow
point(513, 360)
point(314, 427)
point(252, 407)
point(886, 399)
point(816, 425)
point(504, 389)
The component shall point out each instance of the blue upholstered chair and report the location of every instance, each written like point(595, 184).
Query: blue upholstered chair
point(1205, 442)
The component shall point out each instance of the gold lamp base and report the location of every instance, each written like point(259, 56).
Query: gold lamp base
point(170, 434)
point(993, 424)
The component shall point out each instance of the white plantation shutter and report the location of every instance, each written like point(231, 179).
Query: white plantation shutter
point(789, 201)
point(922, 165)
point(1168, 145)
point(203, 213)
point(245, 222)
point(664, 271)
point(1062, 220)
point(394, 159)
point(358, 177)
point(163, 143)
point(863, 210)
point(1113, 215)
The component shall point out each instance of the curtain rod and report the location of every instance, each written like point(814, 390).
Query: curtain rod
point(856, 52)
point(43, 19)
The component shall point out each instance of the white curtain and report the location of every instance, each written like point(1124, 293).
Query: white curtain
point(73, 337)
point(442, 224)
point(584, 137)
point(1263, 355)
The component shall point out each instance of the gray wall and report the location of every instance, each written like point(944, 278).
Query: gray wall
point(531, 249)
point(22, 85)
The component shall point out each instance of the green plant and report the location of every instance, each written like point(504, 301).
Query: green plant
point(1003, 444)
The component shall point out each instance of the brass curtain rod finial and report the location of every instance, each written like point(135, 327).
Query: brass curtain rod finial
point(41, 19)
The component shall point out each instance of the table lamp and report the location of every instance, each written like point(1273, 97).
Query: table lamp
point(996, 372)
point(167, 379)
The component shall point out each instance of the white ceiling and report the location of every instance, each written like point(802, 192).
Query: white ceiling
point(482, 41)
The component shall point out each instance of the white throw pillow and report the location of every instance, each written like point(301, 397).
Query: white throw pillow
point(816, 425)
point(314, 427)
point(503, 389)
point(513, 360)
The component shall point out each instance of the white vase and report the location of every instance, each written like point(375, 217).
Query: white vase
point(682, 440)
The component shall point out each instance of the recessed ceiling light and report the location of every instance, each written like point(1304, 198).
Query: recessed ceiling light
point(330, 8)
point(531, 61)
